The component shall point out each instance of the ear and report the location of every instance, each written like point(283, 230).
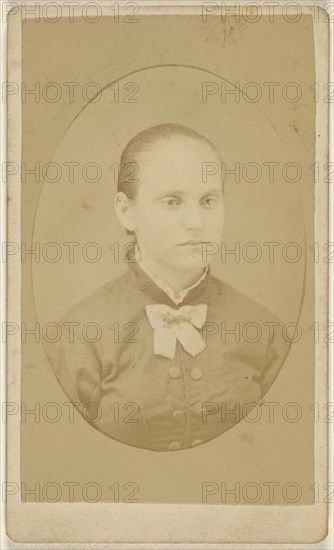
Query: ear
point(124, 208)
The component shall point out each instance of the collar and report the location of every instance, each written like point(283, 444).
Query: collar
point(160, 291)
point(168, 290)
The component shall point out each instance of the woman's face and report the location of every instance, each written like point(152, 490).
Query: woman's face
point(177, 209)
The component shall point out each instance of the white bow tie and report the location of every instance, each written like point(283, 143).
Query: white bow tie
point(177, 324)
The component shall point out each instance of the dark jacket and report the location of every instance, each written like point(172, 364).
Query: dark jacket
point(106, 364)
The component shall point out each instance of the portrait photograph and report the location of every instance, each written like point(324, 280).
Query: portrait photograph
point(168, 237)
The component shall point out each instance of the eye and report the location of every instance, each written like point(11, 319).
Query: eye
point(209, 202)
point(171, 202)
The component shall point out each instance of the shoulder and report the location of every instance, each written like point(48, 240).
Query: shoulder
point(234, 304)
point(106, 299)
point(261, 331)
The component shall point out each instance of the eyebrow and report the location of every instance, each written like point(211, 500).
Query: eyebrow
point(214, 191)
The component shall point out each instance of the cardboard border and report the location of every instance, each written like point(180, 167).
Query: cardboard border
point(148, 525)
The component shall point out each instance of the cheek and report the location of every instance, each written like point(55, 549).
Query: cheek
point(215, 221)
point(150, 217)
point(153, 225)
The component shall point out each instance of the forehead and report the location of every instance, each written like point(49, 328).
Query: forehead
point(178, 161)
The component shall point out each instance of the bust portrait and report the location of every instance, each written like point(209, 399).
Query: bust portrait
point(161, 376)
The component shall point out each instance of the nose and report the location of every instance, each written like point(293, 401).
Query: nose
point(193, 217)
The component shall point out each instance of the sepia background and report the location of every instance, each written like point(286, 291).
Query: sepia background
point(167, 80)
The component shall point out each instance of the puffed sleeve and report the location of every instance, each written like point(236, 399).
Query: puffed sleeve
point(76, 366)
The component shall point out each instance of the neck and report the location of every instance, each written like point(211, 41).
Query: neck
point(177, 280)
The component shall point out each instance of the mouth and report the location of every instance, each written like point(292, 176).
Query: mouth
point(192, 243)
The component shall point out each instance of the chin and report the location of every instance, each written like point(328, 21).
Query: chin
point(191, 262)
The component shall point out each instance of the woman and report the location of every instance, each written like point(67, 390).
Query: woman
point(160, 375)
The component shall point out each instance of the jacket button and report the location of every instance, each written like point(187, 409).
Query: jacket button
point(196, 442)
point(174, 372)
point(174, 446)
point(177, 415)
point(196, 373)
